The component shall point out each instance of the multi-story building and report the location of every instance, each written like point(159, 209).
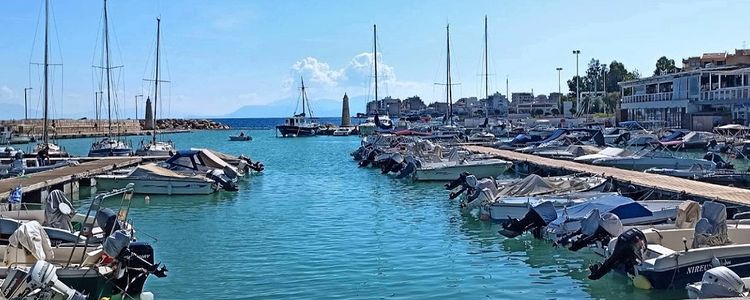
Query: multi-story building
point(412, 105)
point(526, 103)
point(708, 60)
point(497, 104)
point(387, 105)
point(698, 98)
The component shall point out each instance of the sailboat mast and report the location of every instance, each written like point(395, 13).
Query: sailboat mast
point(156, 81)
point(107, 68)
point(45, 133)
point(486, 63)
point(448, 92)
point(375, 57)
point(304, 96)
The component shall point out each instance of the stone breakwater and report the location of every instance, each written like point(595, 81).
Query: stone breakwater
point(186, 124)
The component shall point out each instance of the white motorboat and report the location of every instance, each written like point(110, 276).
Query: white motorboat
point(648, 158)
point(674, 258)
point(570, 153)
point(156, 148)
point(152, 179)
point(604, 153)
point(343, 131)
point(450, 170)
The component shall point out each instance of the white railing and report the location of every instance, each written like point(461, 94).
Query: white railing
point(667, 96)
point(733, 93)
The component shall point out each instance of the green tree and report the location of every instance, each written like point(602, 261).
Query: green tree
point(555, 111)
point(572, 85)
point(617, 73)
point(665, 65)
point(538, 112)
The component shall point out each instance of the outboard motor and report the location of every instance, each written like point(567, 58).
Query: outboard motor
point(460, 181)
point(628, 251)
point(410, 166)
point(222, 179)
point(138, 262)
point(595, 228)
point(718, 282)
point(535, 219)
point(38, 282)
point(720, 162)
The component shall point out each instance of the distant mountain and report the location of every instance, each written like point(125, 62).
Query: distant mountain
point(285, 108)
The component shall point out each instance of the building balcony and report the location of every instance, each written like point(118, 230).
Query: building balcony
point(666, 96)
point(733, 93)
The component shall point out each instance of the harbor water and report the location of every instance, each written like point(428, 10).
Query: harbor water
point(315, 226)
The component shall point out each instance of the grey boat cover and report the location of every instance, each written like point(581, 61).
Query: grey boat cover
point(58, 211)
point(214, 161)
point(32, 237)
point(537, 185)
point(688, 214)
point(594, 219)
point(546, 210)
point(116, 242)
point(711, 229)
point(698, 137)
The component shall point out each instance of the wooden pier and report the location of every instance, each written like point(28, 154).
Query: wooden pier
point(35, 186)
point(692, 188)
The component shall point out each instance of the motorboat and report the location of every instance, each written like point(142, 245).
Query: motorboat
point(697, 139)
point(449, 170)
point(240, 137)
point(608, 152)
point(343, 131)
point(20, 166)
point(503, 200)
point(201, 161)
point(652, 158)
point(153, 179)
point(719, 282)
point(675, 258)
point(569, 219)
point(570, 153)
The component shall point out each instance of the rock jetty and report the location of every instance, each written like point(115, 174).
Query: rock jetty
point(204, 124)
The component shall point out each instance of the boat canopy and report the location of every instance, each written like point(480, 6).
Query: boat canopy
point(58, 211)
point(196, 157)
point(622, 207)
point(676, 134)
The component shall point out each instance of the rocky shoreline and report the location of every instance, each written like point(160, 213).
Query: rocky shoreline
point(186, 124)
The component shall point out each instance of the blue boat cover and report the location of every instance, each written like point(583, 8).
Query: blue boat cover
point(673, 136)
point(630, 125)
point(622, 207)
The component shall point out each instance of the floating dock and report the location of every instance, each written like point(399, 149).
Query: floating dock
point(691, 188)
point(35, 186)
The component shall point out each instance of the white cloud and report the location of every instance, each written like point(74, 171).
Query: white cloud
point(6, 93)
point(352, 78)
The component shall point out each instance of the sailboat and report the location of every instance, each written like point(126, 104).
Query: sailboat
point(110, 145)
point(154, 147)
point(375, 122)
point(448, 119)
point(47, 149)
point(300, 124)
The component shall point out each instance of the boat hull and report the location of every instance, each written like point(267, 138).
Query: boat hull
point(110, 152)
point(449, 173)
point(296, 131)
point(156, 187)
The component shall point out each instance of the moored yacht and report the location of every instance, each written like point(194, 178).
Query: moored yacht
point(300, 124)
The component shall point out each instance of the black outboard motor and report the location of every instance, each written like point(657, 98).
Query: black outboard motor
point(595, 228)
point(138, 258)
point(535, 219)
point(460, 181)
point(408, 168)
point(222, 179)
point(720, 162)
point(628, 251)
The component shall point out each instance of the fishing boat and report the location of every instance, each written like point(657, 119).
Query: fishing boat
point(300, 124)
point(109, 145)
point(155, 180)
point(156, 147)
point(674, 258)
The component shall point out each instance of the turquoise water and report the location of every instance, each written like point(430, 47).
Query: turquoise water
point(314, 226)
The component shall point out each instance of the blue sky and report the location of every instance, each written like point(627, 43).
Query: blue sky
point(222, 55)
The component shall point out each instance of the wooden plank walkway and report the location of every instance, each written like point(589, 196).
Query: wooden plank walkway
point(43, 180)
point(693, 188)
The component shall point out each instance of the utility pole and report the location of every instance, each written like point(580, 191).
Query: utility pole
point(604, 86)
point(136, 105)
point(25, 104)
point(578, 91)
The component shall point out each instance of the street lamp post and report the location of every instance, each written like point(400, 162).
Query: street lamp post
point(559, 89)
point(578, 91)
point(25, 104)
point(136, 105)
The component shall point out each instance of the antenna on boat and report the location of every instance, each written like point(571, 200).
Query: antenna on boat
point(375, 58)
